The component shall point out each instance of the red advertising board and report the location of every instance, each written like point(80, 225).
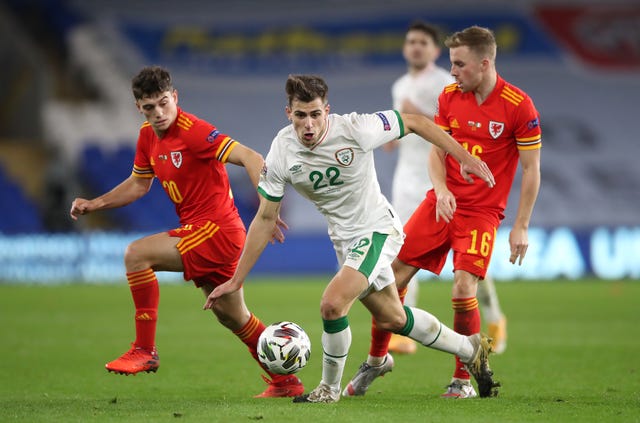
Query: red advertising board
point(601, 35)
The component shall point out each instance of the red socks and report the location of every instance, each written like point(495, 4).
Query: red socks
point(249, 335)
point(466, 321)
point(146, 296)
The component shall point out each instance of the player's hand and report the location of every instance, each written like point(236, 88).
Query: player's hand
point(518, 242)
point(278, 231)
point(79, 207)
point(228, 287)
point(478, 168)
point(445, 206)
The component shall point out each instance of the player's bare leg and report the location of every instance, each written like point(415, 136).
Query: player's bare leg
point(337, 299)
point(401, 344)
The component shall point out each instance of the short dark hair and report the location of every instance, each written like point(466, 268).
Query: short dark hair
point(151, 80)
point(479, 40)
point(306, 88)
point(428, 29)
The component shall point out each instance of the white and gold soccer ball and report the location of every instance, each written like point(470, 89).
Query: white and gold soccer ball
point(284, 348)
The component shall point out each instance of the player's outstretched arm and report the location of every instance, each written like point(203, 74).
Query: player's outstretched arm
point(251, 160)
point(125, 193)
point(253, 163)
point(259, 234)
point(428, 130)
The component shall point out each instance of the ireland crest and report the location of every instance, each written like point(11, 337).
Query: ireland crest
point(344, 156)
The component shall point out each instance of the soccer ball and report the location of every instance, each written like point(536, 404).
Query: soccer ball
point(284, 348)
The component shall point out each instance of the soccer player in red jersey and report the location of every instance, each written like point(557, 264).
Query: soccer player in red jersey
point(498, 123)
point(187, 155)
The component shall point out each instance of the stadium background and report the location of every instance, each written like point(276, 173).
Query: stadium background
point(68, 124)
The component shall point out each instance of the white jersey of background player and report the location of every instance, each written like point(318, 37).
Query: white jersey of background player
point(417, 91)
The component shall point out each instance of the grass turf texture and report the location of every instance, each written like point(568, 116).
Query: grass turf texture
point(571, 356)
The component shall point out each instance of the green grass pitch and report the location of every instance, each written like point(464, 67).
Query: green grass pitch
point(572, 356)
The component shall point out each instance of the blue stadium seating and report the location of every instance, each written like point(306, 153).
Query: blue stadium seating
point(19, 214)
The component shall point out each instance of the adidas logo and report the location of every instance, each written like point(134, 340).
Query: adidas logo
point(479, 263)
point(143, 316)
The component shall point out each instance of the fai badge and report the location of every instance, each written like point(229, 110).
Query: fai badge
point(495, 128)
point(176, 158)
point(344, 156)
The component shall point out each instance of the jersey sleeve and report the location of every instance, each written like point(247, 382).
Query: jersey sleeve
point(440, 117)
point(527, 126)
point(204, 139)
point(142, 166)
point(372, 130)
point(273, 178)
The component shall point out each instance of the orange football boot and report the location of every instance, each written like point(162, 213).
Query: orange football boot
point(282, 386)
point(134, 361)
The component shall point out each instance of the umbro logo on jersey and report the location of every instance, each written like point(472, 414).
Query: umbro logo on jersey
point(345, 156)
point(495, 128)
point(176, 158)
point(295, 169)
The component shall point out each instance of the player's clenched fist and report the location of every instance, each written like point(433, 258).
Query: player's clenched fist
point(79, 207)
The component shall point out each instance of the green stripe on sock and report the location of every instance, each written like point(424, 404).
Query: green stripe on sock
point(409, 325)
point(437, 336)
point(334, 356)
point(335, 326)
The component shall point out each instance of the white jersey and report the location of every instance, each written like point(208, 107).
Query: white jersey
point(338, 174)
point(411, 179)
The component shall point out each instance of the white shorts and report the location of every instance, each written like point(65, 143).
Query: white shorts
point(372, 256)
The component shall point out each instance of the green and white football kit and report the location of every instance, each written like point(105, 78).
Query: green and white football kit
point(338, 176)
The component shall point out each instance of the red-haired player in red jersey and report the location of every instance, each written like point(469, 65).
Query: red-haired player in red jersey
point(187, 155)
point(498, 123)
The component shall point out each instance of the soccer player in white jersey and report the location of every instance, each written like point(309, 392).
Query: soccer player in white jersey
point(328, 159)
point(417, 91)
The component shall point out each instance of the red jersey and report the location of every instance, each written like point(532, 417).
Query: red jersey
point(507, 121)
point(189, 163)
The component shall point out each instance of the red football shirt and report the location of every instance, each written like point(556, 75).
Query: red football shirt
point(507, 121)
point(189, 163)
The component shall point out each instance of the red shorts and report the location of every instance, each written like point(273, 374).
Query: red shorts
point(209, 254)
point(427, 242)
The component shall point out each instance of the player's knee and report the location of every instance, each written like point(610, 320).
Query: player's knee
point(331, 309)
point(134, 256)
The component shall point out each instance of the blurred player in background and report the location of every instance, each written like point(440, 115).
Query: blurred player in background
point(496, 122)
point(328, 159)
point(417, 91)
point(187, 155)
